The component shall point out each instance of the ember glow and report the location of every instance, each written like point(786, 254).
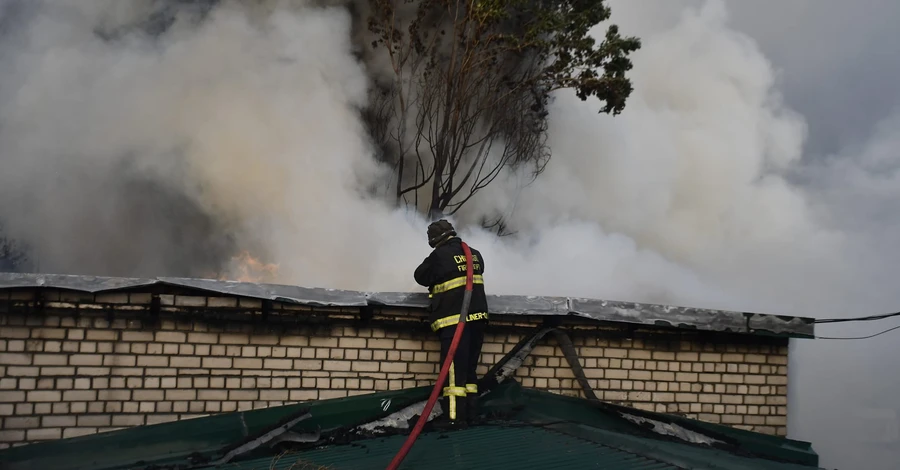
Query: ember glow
point(247, 268)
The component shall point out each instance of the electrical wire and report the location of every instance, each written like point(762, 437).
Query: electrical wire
point(860, 337)
point(868, 318)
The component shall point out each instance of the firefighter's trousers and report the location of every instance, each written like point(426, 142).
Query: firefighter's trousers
point(460, 390)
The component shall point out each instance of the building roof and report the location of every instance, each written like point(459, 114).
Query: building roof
point(608, 311)
point(523, 429)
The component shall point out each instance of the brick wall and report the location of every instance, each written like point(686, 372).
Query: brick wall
point(75, 364)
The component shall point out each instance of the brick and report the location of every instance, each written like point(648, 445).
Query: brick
point(710, 378)
point(27, 422)
point(323, 342)
point(409, 345)
point(153, 361)
point(364, 366)
point(733, 378)
point(243, 394)
point(44, 434)
point(44, 396)
point(186, 362)
point(11, 436)
point(16, 359)
point(92, 371)
point(297, 341)
point(733, 399)
point(128, 420)
point(86, 359)
point(304, 395)
point(710, 357)
point(233, 338)
point(137, 336)
point(147, 395)
point(732, 358)
point(16, 371)
point(170, 337)
point(663, 356)
point(203, 338)
point(217, 362)
point(113, 395)
point(663, 376)
point(424, 368)
point(776, 380)
point(755, 358)
point(776, 420)
point(337, 365)
point(278, 364)
point(686, 377)
point(102, 335)
point(663, 397)
point(328, 394)
point(621, 353)
point(178, 394)
point(687, 356)
point(58, 421)
point(778, 360)
point(273, 395)
point(641, 374)
point(380, 343)
point(732, 419)
point(212, 395)
point(396, 367)
point(245, 363)
point(94, 420)
point(79, 395)
point(686, 397)
point(15, 332)
point(776, 400)
point(119, 360)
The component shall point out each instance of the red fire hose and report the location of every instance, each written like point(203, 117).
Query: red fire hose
point(445, 368)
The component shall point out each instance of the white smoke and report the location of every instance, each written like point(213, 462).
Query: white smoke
point(244, 132)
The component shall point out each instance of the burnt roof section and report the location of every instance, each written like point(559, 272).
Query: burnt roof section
point(639, 314)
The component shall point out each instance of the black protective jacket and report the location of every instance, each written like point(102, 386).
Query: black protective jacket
point(444, 273)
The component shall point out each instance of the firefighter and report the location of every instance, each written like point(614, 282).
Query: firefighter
point(444, 273)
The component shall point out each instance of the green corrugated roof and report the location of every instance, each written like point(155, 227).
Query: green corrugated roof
point(495, 447)
point(526, 429)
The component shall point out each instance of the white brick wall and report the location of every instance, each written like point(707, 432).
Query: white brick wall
point(66, 373)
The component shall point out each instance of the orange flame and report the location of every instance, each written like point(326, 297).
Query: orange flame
point(246, 268)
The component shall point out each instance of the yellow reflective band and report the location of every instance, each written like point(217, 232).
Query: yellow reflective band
point(455, 391)
point(452, 383)
point(456, 283)
point(454, 319)
point(471, 388)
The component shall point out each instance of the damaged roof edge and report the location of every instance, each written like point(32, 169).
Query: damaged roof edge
point(593, 309)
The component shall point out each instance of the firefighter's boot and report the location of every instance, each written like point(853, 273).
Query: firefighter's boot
point(471, 408)
point(445, 421)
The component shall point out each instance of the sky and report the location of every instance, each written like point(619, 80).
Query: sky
point(836, 65)
point(754, 168)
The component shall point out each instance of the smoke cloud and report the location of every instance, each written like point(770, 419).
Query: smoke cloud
point(143, 138)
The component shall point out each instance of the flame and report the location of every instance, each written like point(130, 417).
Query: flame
point(247, 268)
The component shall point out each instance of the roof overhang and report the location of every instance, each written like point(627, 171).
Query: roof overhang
point(608, 311)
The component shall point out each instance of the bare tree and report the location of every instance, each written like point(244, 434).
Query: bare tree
point(472, 83)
